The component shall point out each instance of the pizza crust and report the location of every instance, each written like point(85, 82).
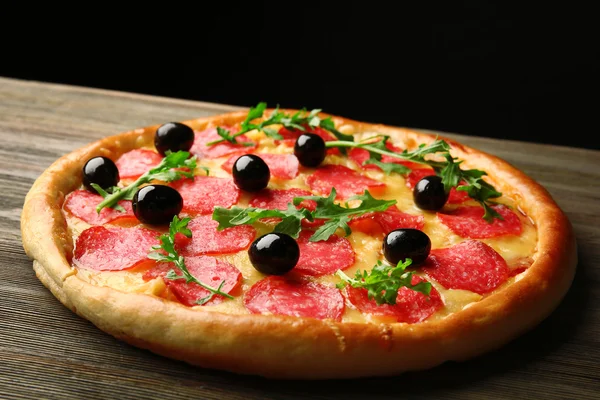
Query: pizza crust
point(300, 348)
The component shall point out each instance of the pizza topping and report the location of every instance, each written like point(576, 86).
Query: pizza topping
point(409, 306)
point(203, 268)
point(173, 136)
point(208, 240)
point(210, 144)
point(113, 249)
point(173, 167)
point(323, 257)
point(135, 162)
point(278, 199)
point(156, 204)
point(274, 253)
point(466, 221)
point(452, 175)
point(334, 214)
point(455, 196)
point(429, 193)
point(282, 166)
point(470, 265)
point(310, 149)
point(297, 298)
point(383, 222)
point(367, 160)
point(203, 193)
point(346, 181)
point(251, 173)
point(384, 281)
point(401, 244)
point(82, 204)
point(166, 252)
point(299, 121)
point(100, 171)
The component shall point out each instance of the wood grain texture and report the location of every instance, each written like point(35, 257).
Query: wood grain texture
point(48, 352)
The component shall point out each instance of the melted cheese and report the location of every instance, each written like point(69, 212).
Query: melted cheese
point(367, 248)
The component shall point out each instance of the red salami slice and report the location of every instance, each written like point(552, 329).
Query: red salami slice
point(290, 136)
point(207, 270)
point(82, 204)
point(203, 193)
point(282, 296)
point(114, 249)
point(206, 239)
point(278, 199)
point(136, 162)
point(324, 257)
point(470, 265)
point(410, 307)
point(283, 166)
point(468, 222)
point(456, 196)
point(202, 150)
point(346, 181)
point(384, 222)
point(359, 156)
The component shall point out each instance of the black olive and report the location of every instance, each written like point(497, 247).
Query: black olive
point(102, 171)
point(400, 244)
point(429, 193)
point(274, 253)
point(251, 173)
point(173, 136)
point(156, 204)
point(310, 149)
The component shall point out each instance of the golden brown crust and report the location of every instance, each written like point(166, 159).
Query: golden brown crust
point(300, 348)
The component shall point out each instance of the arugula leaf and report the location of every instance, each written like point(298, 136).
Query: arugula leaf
point(335, 215)
point(167, 171)
point(234, 216)
point(169, 254)
point(388, 168)
point(299, 120)
point(384, 281)
point(449, 170)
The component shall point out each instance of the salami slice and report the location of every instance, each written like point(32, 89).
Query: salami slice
point(82, 204)
point(468, 222)
point(278, 199)
point(207, 270)
point(470, 265)
point(203, 150)
point(324, 257)
point(378, 223)
point(114, 249)
point(206, 239)
point(137, 162)
point(455, 197)
point(282, 166)
point(283, 296)
point(410, 307)
point(203, 193)
point(346, 181)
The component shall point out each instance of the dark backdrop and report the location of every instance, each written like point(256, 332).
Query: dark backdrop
point(475, 67)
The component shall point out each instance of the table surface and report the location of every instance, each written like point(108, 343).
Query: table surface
point(46, 351)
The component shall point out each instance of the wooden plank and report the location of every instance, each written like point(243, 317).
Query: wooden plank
point(48, 352)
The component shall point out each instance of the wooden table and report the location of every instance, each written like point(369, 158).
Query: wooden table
point(46, 351)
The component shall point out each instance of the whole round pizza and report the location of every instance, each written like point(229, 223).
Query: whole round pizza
point(295, 244)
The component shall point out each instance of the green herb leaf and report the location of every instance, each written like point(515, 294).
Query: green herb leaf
point(166, 253)
point(449, 170)
point(167, 171)
point(384, 281)
point(299, 121)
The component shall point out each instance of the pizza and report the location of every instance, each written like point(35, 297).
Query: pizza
point(298, 245)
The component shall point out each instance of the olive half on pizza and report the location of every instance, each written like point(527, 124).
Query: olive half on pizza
point(293, 244)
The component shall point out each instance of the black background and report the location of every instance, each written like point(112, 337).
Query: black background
point(479, 68)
